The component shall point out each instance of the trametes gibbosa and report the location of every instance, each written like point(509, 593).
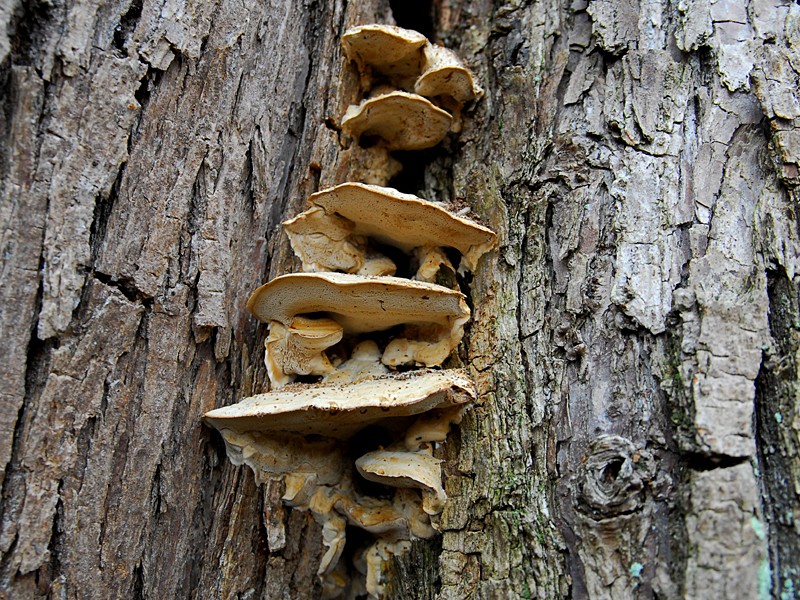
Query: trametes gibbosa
point(358, 400)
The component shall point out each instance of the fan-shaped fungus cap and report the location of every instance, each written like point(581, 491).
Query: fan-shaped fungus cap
point(299, 349)
point(323, 242)
point(385, 49)
point(432, 426)
point(386, 215)
point(406, 470)
point(339, 411)
point(403, 121)
point(434, 314)
point(446, 75)
point(358, 304)
point(329, 243)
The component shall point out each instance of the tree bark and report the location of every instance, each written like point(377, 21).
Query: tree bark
point(635, 339)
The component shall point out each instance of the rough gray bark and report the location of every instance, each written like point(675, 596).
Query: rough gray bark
point(635, 339)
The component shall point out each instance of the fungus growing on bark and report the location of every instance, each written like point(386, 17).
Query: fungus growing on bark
point(364, 362)
point(301, 433)
point(334, 234)
point(446, 79)
point(350, 323)
point(432, 315)
point(392, 63)
point(401, 120)
point(339, 411)
point(433, 426)
point(385, 50)
point(403, 469)
point(299, 348)
point(446, 75)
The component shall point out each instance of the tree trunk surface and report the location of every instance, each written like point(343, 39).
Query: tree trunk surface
point(635, 339)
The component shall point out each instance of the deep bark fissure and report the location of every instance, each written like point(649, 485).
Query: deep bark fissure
point(124, 286)
point(415, 14)
point(28, 29)
point(47, 573)
point(103, 207)
point(6, 113)
point(127, 24)
point(776, 405)
point(134, 374)
point(148, 85)
point(13, 489)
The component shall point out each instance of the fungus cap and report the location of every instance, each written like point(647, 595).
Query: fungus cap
point(391, 217)
point(406, 470)
point(364, 362)
point(386, 49)
point(403, 121)
point(339, 411)
point(277, 453)
point(433, 426)
point(446, 75)
point(299, 349)
point(358, 304)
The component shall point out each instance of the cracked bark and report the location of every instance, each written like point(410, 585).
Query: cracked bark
point(635, 338)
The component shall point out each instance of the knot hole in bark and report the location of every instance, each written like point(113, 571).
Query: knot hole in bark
point(612, 478)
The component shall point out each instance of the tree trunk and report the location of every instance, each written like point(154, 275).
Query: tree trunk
point(635, 339)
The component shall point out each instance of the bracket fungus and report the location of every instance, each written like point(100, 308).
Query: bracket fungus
point(357, 446)
point(406, 59)
point(304, 433)
point(385, 50)
point(401, 120)
point(403, 469)
point(392, 56)
point(432, 317)
point(447, 79)
point(339, 411)
point(446, 75)
point(334, 234)
point(299, 348)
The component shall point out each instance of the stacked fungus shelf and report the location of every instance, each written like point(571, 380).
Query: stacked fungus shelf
point(358, 401)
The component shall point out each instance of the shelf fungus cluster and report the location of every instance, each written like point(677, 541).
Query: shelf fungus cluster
point(359, 401)
point(414, 90)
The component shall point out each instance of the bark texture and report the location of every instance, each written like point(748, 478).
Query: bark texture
point(635, 339)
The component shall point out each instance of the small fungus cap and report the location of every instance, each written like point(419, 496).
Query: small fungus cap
point(404, 121)
point(401, 220)
point(404, 470)
point(316, 334)
point(339, 411)
point(446, 75)
point(387, 49)
point(299, 348)
point(359, 304)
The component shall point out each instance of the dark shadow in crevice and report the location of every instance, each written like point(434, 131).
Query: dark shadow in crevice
point(776, 386)
point(414, 14)
point(405, 263)
point(411, 179)
point(28, 31)
point(127, 25)
point(697, 461)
